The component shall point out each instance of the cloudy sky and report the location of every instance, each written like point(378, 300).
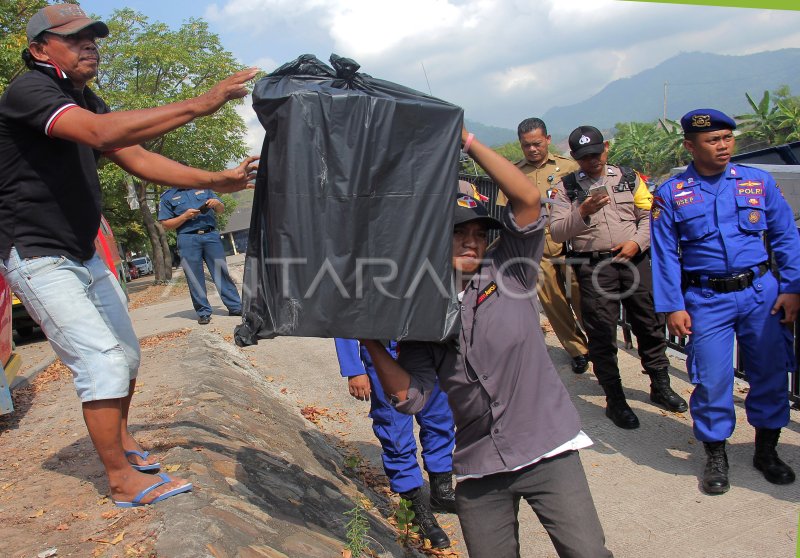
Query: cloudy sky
point(501, 60)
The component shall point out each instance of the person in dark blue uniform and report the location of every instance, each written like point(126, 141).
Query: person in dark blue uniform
point(395, 432)
point(193, 214)
point(711, 275)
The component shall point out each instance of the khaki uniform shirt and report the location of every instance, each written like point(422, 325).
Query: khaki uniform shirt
point(545, 177)
point(615, 223)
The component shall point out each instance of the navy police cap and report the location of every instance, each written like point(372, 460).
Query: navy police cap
point(706, 120)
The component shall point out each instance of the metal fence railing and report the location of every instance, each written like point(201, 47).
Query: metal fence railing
point(488, 188)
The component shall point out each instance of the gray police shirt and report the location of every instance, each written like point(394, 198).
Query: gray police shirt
point(509, 404)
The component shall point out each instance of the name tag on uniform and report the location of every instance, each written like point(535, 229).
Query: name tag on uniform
point(487, 292)
point(175, 198)
point(687, 197)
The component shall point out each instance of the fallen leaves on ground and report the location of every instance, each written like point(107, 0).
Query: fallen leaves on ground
point(313, 413)
point(157, 293)
point(155, 340)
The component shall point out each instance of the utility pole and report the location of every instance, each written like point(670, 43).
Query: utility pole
point(665, 101)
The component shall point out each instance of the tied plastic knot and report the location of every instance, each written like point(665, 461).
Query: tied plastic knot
point(346, 68)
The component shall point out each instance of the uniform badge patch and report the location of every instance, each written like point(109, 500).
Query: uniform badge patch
point(752, 201)
point(687, 198)
point(487, 292)
point(656, 213)
point(750, 188)
point(679, 186)
point(754, 217)
point(467, 201)
point(701, 120)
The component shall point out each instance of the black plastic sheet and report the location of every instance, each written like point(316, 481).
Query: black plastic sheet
point(351, 229)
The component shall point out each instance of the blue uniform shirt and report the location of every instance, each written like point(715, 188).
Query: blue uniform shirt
point(353, 357)
point(718, 227)
point(176, 201)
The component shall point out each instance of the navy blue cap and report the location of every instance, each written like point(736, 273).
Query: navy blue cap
point(706, 120)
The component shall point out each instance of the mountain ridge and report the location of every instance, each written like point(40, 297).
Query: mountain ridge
point(694, 80)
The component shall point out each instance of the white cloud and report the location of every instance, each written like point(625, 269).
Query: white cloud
point(499, 59)
point(255, 133)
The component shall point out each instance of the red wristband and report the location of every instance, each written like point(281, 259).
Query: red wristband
point(468, 143)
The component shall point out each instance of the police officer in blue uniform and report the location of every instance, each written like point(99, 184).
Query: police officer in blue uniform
point(193, 214)
point(395, 432)
point(711, 275)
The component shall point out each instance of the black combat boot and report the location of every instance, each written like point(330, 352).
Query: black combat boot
point(443, 497)
point(766, 457)
point(715, 475)
point(662, 393)
point(580, 364)
point(617, 408)
point(425, 520)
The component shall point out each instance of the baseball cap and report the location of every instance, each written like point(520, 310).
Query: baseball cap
point(586, 140)
point(706, 120)
point(63, 19)
point(468, 209)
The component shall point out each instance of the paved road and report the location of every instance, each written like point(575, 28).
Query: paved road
point(644, 482)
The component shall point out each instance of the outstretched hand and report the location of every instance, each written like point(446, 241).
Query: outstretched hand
point(230, 88)
point(241, 177)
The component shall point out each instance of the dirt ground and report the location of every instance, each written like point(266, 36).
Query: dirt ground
point(49, 491)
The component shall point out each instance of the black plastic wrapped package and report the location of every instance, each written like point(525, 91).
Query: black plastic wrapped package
point(352, 223)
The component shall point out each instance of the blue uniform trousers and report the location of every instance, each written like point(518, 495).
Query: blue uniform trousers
point(395, 431)
point(766, 349)
point(195, 249)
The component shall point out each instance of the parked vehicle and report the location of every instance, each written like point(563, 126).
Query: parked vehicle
point(133, 271)
point(106, 248)
point(144, 264)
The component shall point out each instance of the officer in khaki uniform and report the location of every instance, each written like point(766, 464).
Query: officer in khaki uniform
point(604, 212)
point(545, 169)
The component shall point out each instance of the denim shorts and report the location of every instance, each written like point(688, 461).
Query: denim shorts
point(83, 311)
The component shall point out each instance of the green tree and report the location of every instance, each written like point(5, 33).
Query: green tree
point(761, 128)
point(146, 64)
point(14, 16)
point(511, 151)
point(653, 148)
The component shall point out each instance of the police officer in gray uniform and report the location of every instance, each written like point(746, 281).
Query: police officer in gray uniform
point(604, 212)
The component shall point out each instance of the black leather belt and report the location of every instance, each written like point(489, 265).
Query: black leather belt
point(200, 231)
point(595, 256)
point(727, 283)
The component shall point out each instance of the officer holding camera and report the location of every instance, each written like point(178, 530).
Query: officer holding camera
point(193, 214)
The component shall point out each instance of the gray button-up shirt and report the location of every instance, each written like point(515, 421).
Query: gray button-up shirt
point(617, 222)
point(508, 402)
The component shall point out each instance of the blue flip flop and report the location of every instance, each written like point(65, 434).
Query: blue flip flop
point(165, 478)
point(150, 467)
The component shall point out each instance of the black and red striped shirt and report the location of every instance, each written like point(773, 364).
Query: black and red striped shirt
point(49, 189)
